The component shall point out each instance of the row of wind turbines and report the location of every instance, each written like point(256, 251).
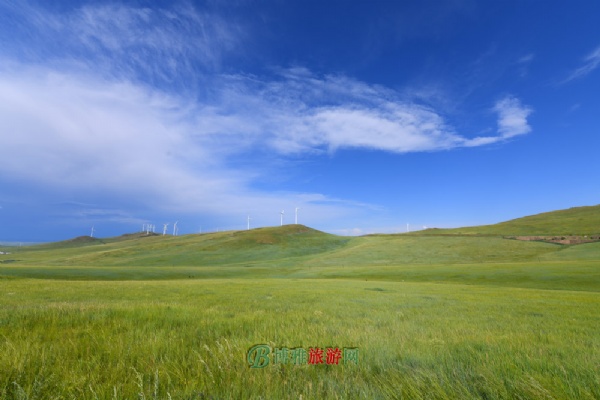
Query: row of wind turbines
point(147, 228)
point(152, 228)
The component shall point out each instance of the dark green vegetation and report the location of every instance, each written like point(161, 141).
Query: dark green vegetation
point(444, 316)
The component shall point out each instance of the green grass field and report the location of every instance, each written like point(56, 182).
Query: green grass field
point(433, 317)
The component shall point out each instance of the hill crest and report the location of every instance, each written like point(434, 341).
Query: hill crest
point(576, 221)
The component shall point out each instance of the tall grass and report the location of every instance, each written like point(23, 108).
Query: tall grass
point(173, 317)
point(188, 339)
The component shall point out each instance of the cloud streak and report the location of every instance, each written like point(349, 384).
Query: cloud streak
point(591, 62)
point(171, 47)
point(305, 114)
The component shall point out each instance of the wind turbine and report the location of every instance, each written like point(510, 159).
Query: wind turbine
point(92, 233)
point(249, 222)
point(282, 212)
point(165, 228)
point(175, 228)
point(297, 208)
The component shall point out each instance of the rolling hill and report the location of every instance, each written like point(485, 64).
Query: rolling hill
point(573, 221)
point(298, 246)
point(212, 249)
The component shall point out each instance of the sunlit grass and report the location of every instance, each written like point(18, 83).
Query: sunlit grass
point(173, 317)
point(188, 339)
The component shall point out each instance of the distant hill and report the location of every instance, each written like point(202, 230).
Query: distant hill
point(293, 245)
point(220, 248)
point(573, 221)
point(79, 241)
point(299, 251)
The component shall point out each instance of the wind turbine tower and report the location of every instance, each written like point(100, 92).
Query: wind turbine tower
point(296, 219)
point(175, 228)
point(92, 233)
point(282, 212)
point(249, 222)
point(165, 228)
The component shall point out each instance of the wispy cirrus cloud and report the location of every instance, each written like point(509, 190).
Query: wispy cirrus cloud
point(591, 62)
point(303, 113)
point(172, 46)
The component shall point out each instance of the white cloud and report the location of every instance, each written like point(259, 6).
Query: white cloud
point(398, 128)
point(95, 118)
point(305, 114)
point(138, 146)
point(512, 117)
point(512, 121)
point(523, 64)
point(177, 35)
point(591, 62)
point(526, 59)
point(167, 46)
point(86, 133)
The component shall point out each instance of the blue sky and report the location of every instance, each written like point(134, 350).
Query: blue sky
point(366, 115)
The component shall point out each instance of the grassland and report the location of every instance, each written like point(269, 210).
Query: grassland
point(433, 317)
point(573, 221)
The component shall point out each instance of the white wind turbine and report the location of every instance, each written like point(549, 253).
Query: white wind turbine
point(92, 233)
point(165, 228)
point(282, 212)
point(175, 228)
point(249, 222)
point(296, 220)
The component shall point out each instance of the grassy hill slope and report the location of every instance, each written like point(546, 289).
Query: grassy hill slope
point(298, 251)
point(572, 221)
point(223, 248)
